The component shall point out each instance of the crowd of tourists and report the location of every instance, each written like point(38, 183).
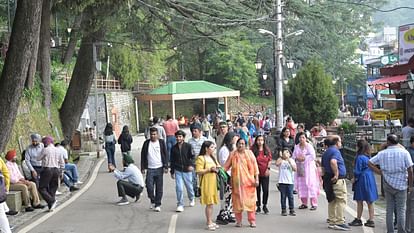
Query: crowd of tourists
point(229, 165)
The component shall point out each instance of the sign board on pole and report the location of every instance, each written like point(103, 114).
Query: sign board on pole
point(405, 43)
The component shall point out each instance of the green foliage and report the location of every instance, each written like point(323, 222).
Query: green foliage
point(59, 88)
point(35, 94)
point(310, 97)
point(130, 66)
point(233, 66)
point(348, 127)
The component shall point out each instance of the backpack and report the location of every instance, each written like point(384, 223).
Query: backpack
point(3, 192)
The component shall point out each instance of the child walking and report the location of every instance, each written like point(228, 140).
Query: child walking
point(286, 168)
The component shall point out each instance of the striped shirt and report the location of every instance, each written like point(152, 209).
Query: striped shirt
point(31, 155)
point(394, 162)
point(51, 157)
point(196, 144)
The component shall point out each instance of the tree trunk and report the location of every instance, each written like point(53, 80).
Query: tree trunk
point(32, 67)
point(80, 85)
point(44, 55)
point(26, 27)
point(73, 39)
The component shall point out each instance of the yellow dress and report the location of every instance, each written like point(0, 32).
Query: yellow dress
point(208, 181)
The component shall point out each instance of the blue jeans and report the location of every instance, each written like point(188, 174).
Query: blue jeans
point(171, 141)
point(154, 182)
point(110, 153)
point(286, 191)
point(181, 179)
point(396, 199)
point(68, 180)
point(72, 170)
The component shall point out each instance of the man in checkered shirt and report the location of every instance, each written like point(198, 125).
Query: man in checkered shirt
point(395, 163)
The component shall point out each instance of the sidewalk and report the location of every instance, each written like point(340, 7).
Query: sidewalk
point(85, 167)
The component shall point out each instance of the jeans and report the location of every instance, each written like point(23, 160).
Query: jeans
point(72, 170)
point(263, 185)
point(396, 199)
point(110, 153)
point(128, 188)
point(68, 180)
point(409, 214)
point(181, 179)
point(337, 207)
point(154, 179)
point(286, 191)
point(171, 141)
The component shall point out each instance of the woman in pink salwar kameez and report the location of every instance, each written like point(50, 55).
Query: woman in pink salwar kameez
point(306, 177)
point(244, 180)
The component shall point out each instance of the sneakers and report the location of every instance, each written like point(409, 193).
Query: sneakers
point(152, 206)
point(253, 225)
point(73, 188)
point(12, 212)
point(157, 209)
point(313, 208)
point(356, 223)
point(58, 193)
point(284, 213)
point(342, 227)
point(79, 182)
point(192, 203)
point(53, 206)
point(179, 209)
point(292, 212)
point(137, 197)
point(369, 223)
point(265, 210)
point(40, 206)
point(123, 201)
point(29, 209)
point(258, 210)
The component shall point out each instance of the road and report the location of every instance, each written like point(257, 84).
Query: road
point(95, 211)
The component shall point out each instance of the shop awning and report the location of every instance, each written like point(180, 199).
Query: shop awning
point(388, 80)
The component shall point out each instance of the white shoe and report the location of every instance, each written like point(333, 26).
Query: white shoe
point(180, 208)
point(192, 203)
point(53, 206)
point(152, 206)
point(79, 182)
point(58, 193)
point(157, 209)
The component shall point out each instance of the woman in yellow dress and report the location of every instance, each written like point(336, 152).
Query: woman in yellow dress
point(206, 169)
point(244, 180)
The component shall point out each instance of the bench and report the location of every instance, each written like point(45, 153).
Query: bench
point(14, 200)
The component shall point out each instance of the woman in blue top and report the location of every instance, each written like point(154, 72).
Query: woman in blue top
point(364, 185)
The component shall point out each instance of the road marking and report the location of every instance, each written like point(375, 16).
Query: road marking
point(66, 203)
point(173, 223)
point(348, 209)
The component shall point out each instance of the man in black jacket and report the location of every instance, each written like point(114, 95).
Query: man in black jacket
point(154, 163)
point(181, 169)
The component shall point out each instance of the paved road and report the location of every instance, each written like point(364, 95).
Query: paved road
point(95, 211)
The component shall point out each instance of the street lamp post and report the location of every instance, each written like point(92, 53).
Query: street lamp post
point(277, 63)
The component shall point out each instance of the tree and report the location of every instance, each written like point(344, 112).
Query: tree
point(44, 55)
point(310, 97)
point(25, 31)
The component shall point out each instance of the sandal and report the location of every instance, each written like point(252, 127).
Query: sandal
point(303, 206)
point(313, 208)
point(253, 225)
point(239, 224)
point(211, 227)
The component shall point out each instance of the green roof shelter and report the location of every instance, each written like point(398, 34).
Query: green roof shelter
point(186, 90)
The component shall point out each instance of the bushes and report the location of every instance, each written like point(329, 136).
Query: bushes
point(348, 127)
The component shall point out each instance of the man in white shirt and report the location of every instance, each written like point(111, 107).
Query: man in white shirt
point(154, 163)
point(130, 181)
